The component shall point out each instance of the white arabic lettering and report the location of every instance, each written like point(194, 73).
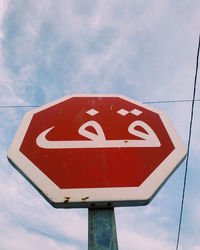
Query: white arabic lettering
point(149, 139)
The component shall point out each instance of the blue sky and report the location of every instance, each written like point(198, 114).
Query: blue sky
point(145, 50)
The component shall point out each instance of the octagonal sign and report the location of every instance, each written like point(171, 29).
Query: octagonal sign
point(96, 150)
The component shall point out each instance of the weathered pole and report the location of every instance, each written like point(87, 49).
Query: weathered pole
point(102, 229)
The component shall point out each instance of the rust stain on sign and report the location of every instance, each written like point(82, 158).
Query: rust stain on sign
point(84, 199)
point(67, 199)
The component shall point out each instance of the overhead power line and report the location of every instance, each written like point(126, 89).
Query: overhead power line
point(188, 146)
point(19, 106)
point(146, 102)
point(168, 101)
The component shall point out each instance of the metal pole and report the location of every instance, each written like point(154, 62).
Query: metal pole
point(102, 229)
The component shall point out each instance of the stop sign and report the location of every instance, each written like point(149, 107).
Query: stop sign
point(96, 150)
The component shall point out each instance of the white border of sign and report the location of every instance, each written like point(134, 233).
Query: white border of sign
point(96, 197)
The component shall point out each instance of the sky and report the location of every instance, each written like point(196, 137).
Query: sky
point(145, 50)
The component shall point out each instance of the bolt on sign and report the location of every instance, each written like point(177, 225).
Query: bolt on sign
point(96, 150)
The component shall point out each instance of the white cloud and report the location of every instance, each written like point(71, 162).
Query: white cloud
point(148, 227)
point(8, 95)
point(3, 8)
point(82, 28)
point(131, 240)
point(116, 30)
point(195, 131)
point(17, 238)
point(196, 247)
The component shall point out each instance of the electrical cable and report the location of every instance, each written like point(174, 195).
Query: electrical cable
point(145, 102)
point(19, 106)
point(168, 101)
point(188, 148)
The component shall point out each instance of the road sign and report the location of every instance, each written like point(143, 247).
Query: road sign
point(96, 150)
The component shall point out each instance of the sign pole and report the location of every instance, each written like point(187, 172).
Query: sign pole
point(102, 229)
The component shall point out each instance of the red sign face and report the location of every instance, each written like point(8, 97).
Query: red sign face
point(91, 142)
